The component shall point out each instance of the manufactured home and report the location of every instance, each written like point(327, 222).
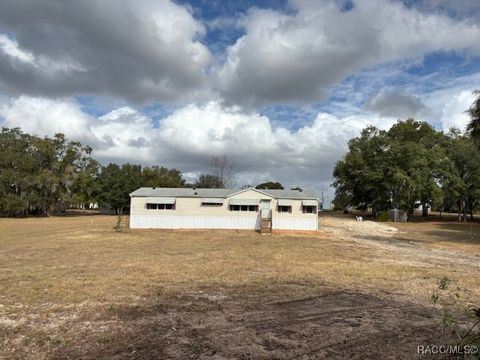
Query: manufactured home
point(194, 208)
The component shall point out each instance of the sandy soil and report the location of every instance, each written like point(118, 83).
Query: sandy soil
point(401, 249)
point(335, 324)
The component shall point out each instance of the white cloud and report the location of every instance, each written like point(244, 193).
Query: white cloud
point(297, 57)
point(41, 63)
point(192, 134)
point(11, 48)
point(453, 112)
point(188, 137)
point(126, 135)
point(43, 116)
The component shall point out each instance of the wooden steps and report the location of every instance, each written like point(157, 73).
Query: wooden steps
point(266, 226)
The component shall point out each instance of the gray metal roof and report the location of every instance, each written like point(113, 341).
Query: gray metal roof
point(291, 194)
point(218, 193)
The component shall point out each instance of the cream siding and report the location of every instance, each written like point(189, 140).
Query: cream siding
point(296, 220)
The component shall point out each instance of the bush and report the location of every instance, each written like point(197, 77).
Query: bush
point(448, 298)
point(382, 216)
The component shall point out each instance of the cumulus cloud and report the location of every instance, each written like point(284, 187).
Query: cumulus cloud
point(137, 50)
point(154, 51)
point(396, 103)
point(126, 135)
point(188, 138)
point(256, 147)
point(296, 58)
point(42, 116)
point(453, 112)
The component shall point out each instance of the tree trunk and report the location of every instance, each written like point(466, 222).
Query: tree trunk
point(424, 210)
point(410, 214)
point(459, 204)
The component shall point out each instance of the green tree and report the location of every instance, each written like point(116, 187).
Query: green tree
point(116, 183)
point(60, 163)
point(473, 128)
point(162, 177)
point(395, 168)
point(462, 185)
point(270, 185)
point(342, 199)
point(363, 173)
point(38, 174)
point(416, 163)
point(208, 181)
point(86, 188)
point(17, 169)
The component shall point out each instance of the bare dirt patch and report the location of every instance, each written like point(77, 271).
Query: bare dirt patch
point(338, 324)
point(410, 242)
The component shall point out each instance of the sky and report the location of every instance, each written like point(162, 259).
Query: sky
point(278, 86)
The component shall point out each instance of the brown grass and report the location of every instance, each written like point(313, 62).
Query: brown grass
point(444, 235)
point(60, 277)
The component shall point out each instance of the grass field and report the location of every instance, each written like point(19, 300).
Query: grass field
point(73, 287)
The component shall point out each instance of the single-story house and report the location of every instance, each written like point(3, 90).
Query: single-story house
point(193, 208)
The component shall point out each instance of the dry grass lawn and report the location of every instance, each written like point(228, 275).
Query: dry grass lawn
point(73, 287)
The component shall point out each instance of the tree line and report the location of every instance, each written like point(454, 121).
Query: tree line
point(40, 176)
point(412, 164)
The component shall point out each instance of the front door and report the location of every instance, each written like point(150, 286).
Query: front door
point(265, 208)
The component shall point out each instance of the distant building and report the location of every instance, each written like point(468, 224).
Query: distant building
point(190, 208)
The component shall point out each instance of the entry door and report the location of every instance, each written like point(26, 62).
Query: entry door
point(265, 208)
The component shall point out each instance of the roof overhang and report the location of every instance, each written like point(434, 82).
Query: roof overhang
point(244, 201)
point(160, 200)
point(213, 200)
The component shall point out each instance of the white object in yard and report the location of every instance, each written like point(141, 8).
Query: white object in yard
point(359, 218)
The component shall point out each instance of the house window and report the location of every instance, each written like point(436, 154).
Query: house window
point(160, 206)
point(284, 209)
point(243, 208)
point(309, 209)
point(211, 204)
